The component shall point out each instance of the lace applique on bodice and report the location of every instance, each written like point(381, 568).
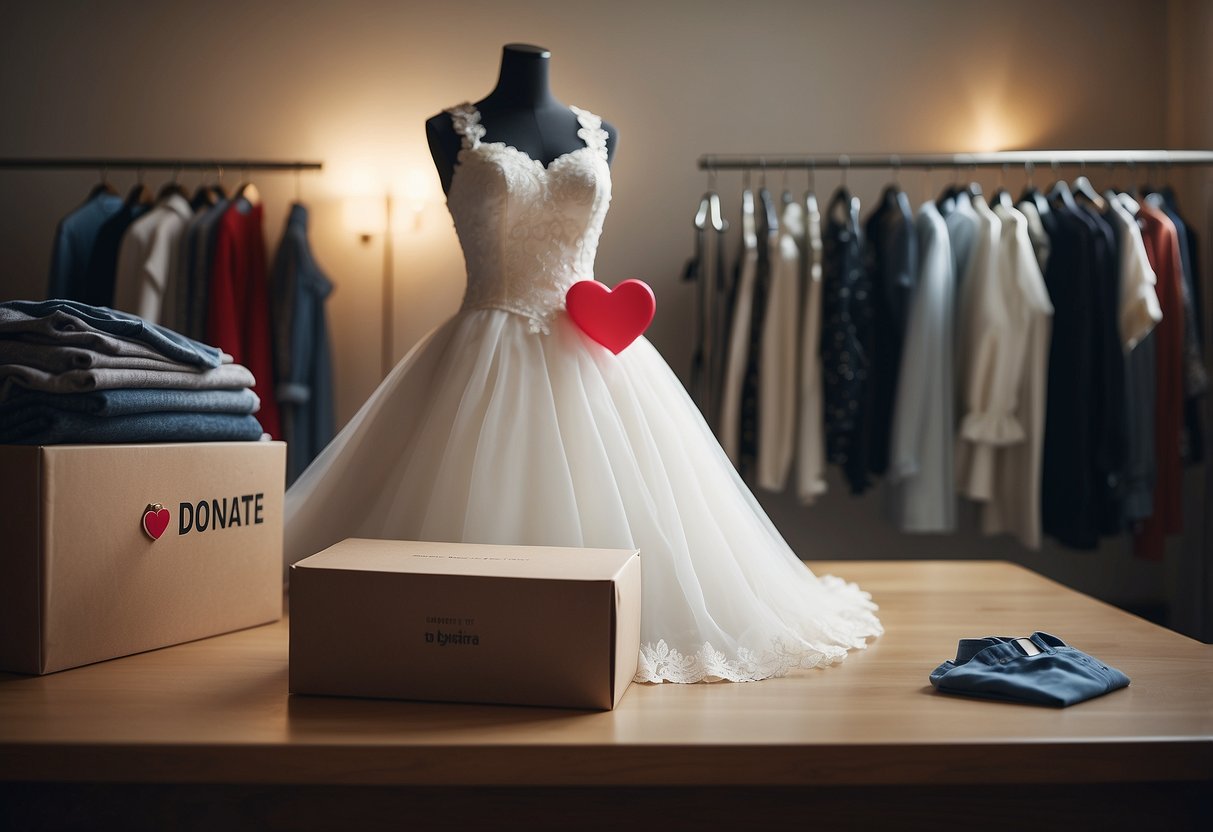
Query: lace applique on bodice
point(528, 231)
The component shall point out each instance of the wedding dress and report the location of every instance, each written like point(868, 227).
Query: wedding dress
point(507, 424)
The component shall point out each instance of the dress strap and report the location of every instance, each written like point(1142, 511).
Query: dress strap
point(591, 131)
point(465, 118)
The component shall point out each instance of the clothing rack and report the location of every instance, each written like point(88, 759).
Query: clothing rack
point(108, 163)
point(1026, 158)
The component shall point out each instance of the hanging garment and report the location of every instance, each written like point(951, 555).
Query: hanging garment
point(201, 271)
point(147, 257)
point(1196, 378)
point(780, 344)
point(1162, 247)
point(1014, 502)
point(961, 218)
point(103, 264)
point(846, 340)
point(739, 331)
point(810, 444)
point(612, 451)
point(1068, 501)
point(768, 255)
point(1138, 310)
point(72, 250)
point(890, 257)
point(922, 491)
point(1109, 426)
point(1036, 231)
point(991, 322)
point(238, 317)
point(1139, 313)
point(694, 273)
point(303, 363)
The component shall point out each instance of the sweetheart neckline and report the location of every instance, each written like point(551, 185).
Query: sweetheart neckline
point(528, 157)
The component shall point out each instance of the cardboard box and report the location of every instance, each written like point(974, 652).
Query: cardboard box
point(461, 622)
point(90, 570)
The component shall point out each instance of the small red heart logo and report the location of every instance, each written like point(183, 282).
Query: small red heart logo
point(613, 318)
point(155, 521)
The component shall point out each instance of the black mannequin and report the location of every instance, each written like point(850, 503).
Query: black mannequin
point(520, 111)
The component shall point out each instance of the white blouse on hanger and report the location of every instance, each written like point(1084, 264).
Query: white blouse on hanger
point(147, 258)
point(992, 322)
point(777, 372)
point(810, 445)
point(1139, 310)
point(1014, 501)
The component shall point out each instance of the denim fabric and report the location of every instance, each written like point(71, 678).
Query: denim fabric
point(74, 241)
point(225, 377)
point(997, 668)
point(29, 404)
point(172, 345)
point(303, 364)
point(57, 427)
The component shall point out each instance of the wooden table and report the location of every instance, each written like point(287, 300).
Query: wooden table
point(204, 734)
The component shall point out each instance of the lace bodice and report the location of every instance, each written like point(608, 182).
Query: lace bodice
point(528, 231)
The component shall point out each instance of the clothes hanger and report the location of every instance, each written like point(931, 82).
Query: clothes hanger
point(102, 187)
point(140, 194)
point(974, 187)
point(768, 204)
point(1031, 193)
point(247, 191)
point(1002, 196)
point(173, 186)
point(1061, 192)
point(1083, 189)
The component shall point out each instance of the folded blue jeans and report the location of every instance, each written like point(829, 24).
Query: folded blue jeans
point(1040, 669)
point(64, 427)
point(29, 404)
point(21, 315)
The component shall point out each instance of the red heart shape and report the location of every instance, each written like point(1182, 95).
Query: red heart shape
point(613, 318)
point(155, 521)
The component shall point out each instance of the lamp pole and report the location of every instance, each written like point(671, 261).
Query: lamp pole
point(389, 279)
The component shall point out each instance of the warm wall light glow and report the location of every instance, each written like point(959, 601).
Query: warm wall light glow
point(364, 215)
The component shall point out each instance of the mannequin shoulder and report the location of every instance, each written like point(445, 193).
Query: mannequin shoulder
point(612, 141)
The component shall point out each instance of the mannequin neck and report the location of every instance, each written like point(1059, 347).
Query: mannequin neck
point(523, 82)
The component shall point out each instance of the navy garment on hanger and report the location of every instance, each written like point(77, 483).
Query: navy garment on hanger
point(1109, 423)
point(1069, 505)
point(103, 265)
point(75, 238)
point(301, 349)
point(890, 258)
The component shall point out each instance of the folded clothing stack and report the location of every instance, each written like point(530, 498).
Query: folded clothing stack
point(74, 373)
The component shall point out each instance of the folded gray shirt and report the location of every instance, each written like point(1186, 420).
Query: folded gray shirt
point(60, 359)
point(59, 329)
point(224, 377)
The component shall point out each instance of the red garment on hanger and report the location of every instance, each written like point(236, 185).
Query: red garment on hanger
point(238, 318)
point(1162, 249)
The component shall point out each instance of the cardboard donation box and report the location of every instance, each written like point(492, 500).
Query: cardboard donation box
point(108, 550)
point(463, 622)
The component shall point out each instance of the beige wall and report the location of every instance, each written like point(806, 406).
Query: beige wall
point(351, 83)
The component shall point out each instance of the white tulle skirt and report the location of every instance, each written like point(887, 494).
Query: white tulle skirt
point(488, 433)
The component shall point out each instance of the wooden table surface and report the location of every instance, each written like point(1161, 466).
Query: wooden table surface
point(217, 711)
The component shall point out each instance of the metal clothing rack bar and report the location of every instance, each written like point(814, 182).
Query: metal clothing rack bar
point(1037, 158)
point(126, 163)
